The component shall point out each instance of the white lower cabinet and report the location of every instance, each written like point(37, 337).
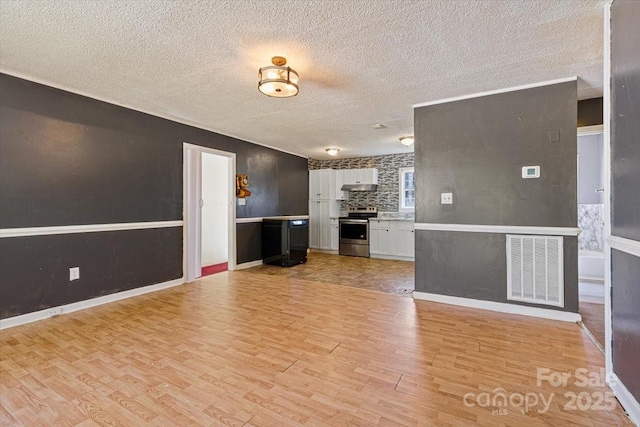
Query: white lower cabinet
point(391, 239)
point(320, 212)
point(404, 239)
point(335, 234)
point(379, 237)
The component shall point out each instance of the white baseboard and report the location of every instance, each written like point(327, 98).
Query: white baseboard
point(397, 258)
point(500, 307)
point(248, 264)
point(624, 396)
point(81, 305)
point(324, 251)
point(591, 279)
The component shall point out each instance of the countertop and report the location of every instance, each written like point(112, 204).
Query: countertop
point(384, 219)
point(393, 219)
point(280, 218)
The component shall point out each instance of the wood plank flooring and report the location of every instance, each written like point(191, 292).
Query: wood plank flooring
point(245, 349)
point(593, 318)
point(383, 275)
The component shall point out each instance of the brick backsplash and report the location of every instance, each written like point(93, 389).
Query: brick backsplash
point(387, 197)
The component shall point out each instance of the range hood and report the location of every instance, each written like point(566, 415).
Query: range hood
point(359, 187)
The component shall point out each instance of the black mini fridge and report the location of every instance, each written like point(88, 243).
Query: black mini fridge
point(285, 241)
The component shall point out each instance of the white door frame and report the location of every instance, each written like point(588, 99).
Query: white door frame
point(606, 121)
point(192, 208)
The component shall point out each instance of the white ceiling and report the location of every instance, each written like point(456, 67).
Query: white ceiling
point(360, 62)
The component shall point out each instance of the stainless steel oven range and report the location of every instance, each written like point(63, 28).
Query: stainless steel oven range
point(354, 231)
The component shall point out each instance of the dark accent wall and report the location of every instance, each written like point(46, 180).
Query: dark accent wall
point(476, 148)
point(625, 189)
point(590, 112)
point(34, 271)
point(66, 159)
point(247, 236)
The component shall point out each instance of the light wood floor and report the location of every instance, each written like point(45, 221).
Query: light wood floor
point(383, 275)
point(593, 319)
point(243, 349)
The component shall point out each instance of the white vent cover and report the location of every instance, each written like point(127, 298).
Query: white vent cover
point(535, 271)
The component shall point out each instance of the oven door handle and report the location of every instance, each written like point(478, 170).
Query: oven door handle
point(353, 221)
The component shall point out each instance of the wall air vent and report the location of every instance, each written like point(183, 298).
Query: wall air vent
point(535, 270)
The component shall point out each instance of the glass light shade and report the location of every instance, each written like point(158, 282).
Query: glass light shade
point(279, 82)
point(406, 140)
point(332, 151)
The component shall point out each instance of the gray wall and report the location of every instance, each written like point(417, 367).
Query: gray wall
point(625, 190)
point(476, 148)
point(387, 197)
point(590, 173)
point(71, 160)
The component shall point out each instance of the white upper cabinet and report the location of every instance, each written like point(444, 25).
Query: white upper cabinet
point(361, 176)
point(341, 195)
point(322, 184)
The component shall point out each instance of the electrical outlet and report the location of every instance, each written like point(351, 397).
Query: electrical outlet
point(74, 273)
point(56, 311)
point(446, 198)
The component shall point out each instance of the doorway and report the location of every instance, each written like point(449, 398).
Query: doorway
point(591, 221)
point(209, 211)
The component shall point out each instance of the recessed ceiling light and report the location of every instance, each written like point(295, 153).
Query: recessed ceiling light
point(332, 151)
point(406, 140)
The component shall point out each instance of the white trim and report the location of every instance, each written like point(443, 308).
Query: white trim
point(590, 130)
point(510, 229)
point(629, 246)
point(591, 279)
point(88, 228)
point(191, 196)
point(248, 220)
point(401, 189)
point(325, 251)
point(495, 92)
point(397, 258)
point(606, 120)
point(624, 396)
point(501, 307)
point(142, 110)
point(82, 305)
point(249, 264)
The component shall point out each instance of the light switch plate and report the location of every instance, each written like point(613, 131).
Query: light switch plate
point(74, 273)
point(446, 198)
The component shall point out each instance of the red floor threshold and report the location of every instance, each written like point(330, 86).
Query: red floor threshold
point(213, 269)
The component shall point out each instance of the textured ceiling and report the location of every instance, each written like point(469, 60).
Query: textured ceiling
point(360, 62)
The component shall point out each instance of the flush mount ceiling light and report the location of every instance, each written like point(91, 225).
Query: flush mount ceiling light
point(332, 151)
point(406, 140)
point(277, 80)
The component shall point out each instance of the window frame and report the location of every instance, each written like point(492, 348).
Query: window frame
point(401, 202)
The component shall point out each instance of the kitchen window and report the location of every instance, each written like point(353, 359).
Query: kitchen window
point(407, 189)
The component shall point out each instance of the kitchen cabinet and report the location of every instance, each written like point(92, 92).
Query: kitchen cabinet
point(319, 232)
point(335, 233)
point(320, 212)
point(322, 184)
point(340, 195)
point(404, 238)
point(361, 176)
point(379, 237)
point(391, 239)
point(322, 206)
